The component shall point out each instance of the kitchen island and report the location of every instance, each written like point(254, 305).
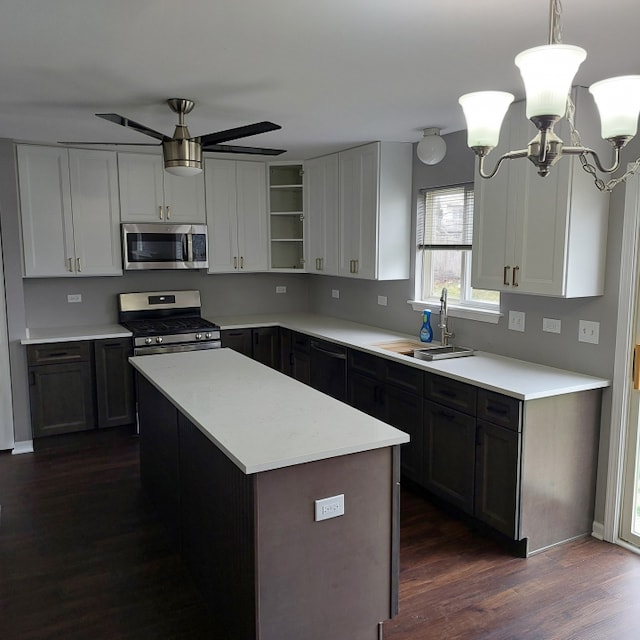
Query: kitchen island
point(235, 457)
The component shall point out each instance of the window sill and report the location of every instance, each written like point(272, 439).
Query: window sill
point(457, 311)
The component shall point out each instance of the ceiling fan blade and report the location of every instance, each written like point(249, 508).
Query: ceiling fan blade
point(226, 148)
point(111, 144)
point(239, 132)
point(136, 126)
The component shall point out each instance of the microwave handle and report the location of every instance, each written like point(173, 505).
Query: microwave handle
point(188, 239)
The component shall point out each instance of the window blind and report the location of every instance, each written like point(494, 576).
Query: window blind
point(445, 218)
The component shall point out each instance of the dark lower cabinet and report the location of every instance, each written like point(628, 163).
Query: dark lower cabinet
point(115, 394)
point(497, 486)
point(449, 469)
point(61, 388)
point(328, 364)
point(261, 344)
point(300, 357)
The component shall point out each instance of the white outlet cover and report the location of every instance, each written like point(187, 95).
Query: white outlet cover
point(335, 293)
point(281, 289)
point(551, 325)
point(589, 331)
point(516, 320)
point(329, 507)
point(74, 297)
point(382, 300)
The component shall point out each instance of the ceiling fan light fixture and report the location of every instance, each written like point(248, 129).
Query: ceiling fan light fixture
point(182, 157)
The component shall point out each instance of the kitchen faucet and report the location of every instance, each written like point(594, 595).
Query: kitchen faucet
point(444, 320)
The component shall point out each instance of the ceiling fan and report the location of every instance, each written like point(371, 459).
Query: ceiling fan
point(182, 153)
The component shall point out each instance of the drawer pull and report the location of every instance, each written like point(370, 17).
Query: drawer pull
point(494, 408)
point(447, 393)
point(446, 415)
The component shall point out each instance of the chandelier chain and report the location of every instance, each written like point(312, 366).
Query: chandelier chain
point(555, 31)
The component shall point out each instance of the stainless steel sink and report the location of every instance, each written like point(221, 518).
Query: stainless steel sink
point(441, 353)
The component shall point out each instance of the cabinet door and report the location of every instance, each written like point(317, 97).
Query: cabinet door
point(449, 451)
point(329, 368)
point(61, 397)
point(251, 185)
point(237, 339)
point(366, 394)
point(141, 187)
point(222, 220)
point(266, 346)
point(96, 212)
point(359, 172)
point(286, 352)
point(301, 360)
point(114, 383)
point(497, 486)
point(45, 206)
point(322, 203)
point(403, 410)
point(184, 198)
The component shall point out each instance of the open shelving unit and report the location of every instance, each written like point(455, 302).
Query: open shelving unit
point(286, 216)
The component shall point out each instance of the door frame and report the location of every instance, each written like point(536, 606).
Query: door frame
point(625, 330)
point(7, 439)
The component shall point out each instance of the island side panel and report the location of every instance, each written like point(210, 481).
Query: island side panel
point(333, 578)
point(159, 468)
point(560, 449)
point(218, 533)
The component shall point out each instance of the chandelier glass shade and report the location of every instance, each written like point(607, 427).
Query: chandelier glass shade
point(548, 72)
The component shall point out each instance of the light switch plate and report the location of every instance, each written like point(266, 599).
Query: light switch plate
point(516, 320)
point(382, 300)
point(589, 331)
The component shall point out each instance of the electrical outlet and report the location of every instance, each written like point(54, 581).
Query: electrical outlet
point(330, 507)
point(589, 331)
point(74, 297)
point(382, 300)
point(551, 325)
point(281, 289)
point(516, 320)
point(335, 293)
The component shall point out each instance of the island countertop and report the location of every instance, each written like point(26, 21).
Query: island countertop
point(260, 418)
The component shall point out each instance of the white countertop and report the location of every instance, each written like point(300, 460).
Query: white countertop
point(73, 334)
point(511, 377)
point(259, 417)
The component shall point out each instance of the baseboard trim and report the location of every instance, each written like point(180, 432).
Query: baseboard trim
point(25, 446)
point(597, 530)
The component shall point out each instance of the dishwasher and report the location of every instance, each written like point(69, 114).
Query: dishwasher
point(329, 368)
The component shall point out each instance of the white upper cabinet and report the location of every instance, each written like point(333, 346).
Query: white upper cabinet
point(543, 236)
point(148, 193)
point(69, 211)
point(375, 211)
point(322, 203)
point(236, 193)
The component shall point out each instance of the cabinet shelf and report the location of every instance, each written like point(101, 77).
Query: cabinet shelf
point(286, 217)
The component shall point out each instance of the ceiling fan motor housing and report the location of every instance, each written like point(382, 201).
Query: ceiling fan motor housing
point(182, 153)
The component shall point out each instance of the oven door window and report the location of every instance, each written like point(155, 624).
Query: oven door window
point(157, 247)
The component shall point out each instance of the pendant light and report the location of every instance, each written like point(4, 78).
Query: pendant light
point(548, 72)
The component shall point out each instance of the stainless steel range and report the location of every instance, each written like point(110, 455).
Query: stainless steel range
point(166, 322)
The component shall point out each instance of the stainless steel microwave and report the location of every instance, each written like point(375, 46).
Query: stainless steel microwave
point(165, 246)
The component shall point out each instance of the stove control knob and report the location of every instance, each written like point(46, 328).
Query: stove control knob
point(148, 340)
point(208, 335)
point(159, 339)
point(198, 336)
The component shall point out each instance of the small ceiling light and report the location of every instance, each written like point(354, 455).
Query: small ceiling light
point(432, 148)
point(548, 73)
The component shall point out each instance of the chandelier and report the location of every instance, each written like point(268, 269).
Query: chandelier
point(548, 72)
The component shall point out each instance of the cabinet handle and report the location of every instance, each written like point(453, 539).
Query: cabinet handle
point(494, 408)
point(70, 264)
point(355, 266)
point(317, 264)
point(32, 379)
point(79, 265)
point(160, 212)
point(635, 373)
point(168, 212)
point(242, 262)
point(505, 276)
point(235, 262)
point(446, 415)
point(514, 278)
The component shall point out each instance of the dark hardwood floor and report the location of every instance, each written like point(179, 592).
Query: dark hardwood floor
point(82, 556)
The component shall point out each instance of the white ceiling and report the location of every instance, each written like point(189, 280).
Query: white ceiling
point(333, 73)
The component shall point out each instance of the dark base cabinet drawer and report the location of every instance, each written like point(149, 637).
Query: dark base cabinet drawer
point(454, 394)
point(499, 409)
point(58, 353)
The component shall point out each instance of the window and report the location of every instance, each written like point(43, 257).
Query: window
point(445, 233)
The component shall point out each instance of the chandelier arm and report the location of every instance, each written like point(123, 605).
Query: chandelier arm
point(579, 151)
point(521, 153)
